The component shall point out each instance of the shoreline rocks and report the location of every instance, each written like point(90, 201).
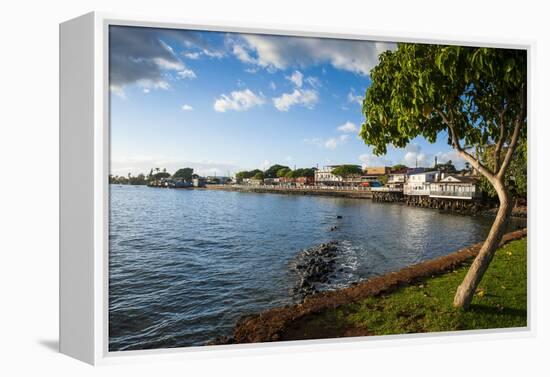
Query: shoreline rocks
point(314, 267)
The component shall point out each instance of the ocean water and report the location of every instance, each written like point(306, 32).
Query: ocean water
point(184, 265)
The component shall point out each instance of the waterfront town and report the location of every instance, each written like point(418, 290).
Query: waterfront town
point(441, 186)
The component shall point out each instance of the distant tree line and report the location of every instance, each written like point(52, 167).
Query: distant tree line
point(275, 171)
point(155, 174)
point(249, 174)
point(140, 179)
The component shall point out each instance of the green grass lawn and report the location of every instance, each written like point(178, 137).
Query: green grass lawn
point(500, 301)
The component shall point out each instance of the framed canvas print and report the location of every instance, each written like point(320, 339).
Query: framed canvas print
point(224, 185)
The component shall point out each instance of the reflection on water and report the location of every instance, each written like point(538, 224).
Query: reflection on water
point(184, 265)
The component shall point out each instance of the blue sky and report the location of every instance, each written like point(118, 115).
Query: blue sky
point(224, 102)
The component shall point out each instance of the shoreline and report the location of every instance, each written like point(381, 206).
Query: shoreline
point(273, 324)
point(352, 194)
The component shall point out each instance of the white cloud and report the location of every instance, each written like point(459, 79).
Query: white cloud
point(296, 78)
point(265, 165)
point(335, 142)
point(307, 98)
point(187, 107)
point(279, 52)
point(238, 101)
point(313, 81)
point(146, 90)
point(187, 74)
point(192, 55)
point(166, 64)
point(331, 143)
point(272, 85)
point(139, 56)
point(452, 155)
point(414, 155)
point(371, 160)
point(242, 54)
point(251, 70)
point(355, 98)
point(213, 54)
point(197, 54)
point(348, 127)
point(413, 159)
point(170, 65)
point(119, 90)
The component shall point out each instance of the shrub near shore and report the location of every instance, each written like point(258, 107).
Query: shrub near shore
point(499, 302)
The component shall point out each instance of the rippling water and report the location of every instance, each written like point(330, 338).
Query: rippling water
point(184, 265)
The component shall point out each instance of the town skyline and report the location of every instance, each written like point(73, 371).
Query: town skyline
point(226, 102)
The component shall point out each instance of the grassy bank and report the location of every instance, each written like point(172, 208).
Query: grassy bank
point(426, 306)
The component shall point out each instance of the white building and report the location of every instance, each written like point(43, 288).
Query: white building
point(324, 176)
point(396, 180)
point(419, 183)
point(456, 187)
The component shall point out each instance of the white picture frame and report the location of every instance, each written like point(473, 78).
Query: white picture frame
point(84, 169)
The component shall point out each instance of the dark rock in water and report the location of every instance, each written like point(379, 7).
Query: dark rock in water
point(338, 217)
point(314, 266)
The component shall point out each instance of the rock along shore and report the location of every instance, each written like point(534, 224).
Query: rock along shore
point(314, 267)
point(271, 325)
point(355, 194)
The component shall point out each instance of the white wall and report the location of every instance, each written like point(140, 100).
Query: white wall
point(29, 212)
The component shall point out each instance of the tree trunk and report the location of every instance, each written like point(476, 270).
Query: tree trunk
point(467, 288)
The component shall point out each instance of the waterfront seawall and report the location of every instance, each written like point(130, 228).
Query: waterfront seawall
point(312, 191)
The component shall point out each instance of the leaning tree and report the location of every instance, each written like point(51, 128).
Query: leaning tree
point(476, 96)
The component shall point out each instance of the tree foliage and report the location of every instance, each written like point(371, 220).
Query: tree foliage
point(447, 167)
point(129, 180)
point(259, 176)
point(516, 175)
point(398, 167)
point(162, 174)
point(298, 173)
point(185, 174)
point(282, 172)
point(476, 95)
point(246, 174)
point(346, 171)
point(272, 171)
